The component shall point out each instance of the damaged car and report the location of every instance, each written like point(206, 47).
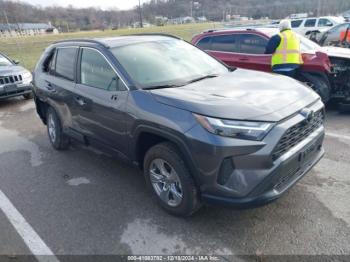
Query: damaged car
point(325, 69)
point(336, 36)
point(200, 131)
point(15, 80)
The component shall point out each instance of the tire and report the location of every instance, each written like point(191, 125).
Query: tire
point(28, 96)
point(54, 130)
point(320, 85)
point(182, 196)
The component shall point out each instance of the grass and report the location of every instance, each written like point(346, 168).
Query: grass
point(28, 49)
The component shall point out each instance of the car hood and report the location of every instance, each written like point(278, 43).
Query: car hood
point(242, 95)
point(333, 51)
point(12, 70)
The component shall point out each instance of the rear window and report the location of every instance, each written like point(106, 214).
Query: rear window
point(296, 23)
point(65, 62)
point(310, 23)
point(253, 44)
point(225, 43)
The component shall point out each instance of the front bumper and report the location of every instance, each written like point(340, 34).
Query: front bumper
point(268, 190)
point(252, 177)
point(16, 90)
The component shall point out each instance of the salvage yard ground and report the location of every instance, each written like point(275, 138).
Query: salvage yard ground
point(83, 202)
point(28, 49)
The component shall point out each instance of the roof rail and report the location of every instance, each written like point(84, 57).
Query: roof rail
point(81, 40)
point(154, 34)
point(210, 30)
point(228, 29)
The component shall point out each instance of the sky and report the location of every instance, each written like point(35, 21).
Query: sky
point(104, 4)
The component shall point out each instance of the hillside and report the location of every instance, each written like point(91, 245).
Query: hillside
point(91, 18)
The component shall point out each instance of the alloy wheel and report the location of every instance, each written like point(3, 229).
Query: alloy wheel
point(166, 182)
point(52, 128)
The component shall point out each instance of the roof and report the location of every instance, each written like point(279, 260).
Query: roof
point(269, 31)
point(118, 41)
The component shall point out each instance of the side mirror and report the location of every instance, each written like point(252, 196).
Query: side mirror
point(16, 62)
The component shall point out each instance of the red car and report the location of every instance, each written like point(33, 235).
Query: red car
point(245, 48)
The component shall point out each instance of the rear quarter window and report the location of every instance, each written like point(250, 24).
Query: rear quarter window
point(48, 64)
point(204, 44)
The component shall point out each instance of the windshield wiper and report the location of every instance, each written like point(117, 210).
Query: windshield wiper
point(173, 86)
point(160, 87)
point(202, 78)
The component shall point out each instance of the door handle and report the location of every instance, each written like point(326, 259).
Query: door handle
point(114, 97)
point(80, 101)
point(49, 87)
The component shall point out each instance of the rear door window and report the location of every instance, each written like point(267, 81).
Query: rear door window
point(225, 43)
point(65, 62)
point(253, 44)
point(310, 23)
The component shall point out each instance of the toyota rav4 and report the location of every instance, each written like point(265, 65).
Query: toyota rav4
point(200, 131)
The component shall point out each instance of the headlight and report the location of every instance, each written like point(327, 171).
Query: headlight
point(238, 129)
point(27, 77)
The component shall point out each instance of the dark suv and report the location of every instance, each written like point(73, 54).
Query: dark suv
point(200, 131)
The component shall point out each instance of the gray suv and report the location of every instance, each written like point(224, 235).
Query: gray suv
point(201, 132)
point(14, 79)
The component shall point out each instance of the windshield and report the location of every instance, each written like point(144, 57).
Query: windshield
point(4, 61)
point(166, 62)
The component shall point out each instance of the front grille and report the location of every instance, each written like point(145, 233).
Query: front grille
point(286, 177)
point(296, 134)
point(4, 80)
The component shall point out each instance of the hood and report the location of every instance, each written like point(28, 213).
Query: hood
point(12, 70)
point(242, 95)
point(333, 51)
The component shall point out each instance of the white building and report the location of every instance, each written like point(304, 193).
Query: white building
point(26, 29)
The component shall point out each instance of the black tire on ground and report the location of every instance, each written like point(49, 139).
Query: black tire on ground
point(321, 85)
point(168, 152)
point(28, 96)
point(54, 130)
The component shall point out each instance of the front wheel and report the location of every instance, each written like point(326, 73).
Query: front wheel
point(319, 84)
point(170, 180)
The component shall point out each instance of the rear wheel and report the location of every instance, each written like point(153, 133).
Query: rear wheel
point(170, 180)
point(54, 129)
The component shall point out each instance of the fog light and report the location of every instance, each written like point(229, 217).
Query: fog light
point(226, 170)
